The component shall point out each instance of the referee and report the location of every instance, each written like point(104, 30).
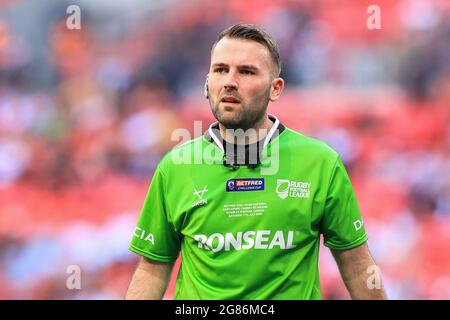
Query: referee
point(249, 206)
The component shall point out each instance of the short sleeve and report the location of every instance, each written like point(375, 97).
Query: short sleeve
point(154, 236)
point(342, 225)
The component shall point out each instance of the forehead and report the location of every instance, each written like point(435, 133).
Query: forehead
point(236, 52)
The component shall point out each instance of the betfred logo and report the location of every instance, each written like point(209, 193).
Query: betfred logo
point(234, 185)
point(261, 239)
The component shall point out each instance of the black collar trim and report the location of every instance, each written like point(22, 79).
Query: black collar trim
point(249, 154)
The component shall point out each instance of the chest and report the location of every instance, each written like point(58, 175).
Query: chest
point(242, 201)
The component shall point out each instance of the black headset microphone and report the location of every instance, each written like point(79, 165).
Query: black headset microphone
point(231, 162)
point(206, 88)
point(234, 166)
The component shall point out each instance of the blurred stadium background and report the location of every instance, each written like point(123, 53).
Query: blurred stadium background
point(85, 116)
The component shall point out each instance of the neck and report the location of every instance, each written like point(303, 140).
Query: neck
point(239, 136)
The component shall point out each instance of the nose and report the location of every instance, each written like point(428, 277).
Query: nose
point(231, 82)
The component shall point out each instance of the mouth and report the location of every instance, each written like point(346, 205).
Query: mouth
point(229, 99)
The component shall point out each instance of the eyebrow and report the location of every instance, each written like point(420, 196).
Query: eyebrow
point(244, 66)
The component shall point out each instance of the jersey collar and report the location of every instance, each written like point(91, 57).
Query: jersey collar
point(231, 152)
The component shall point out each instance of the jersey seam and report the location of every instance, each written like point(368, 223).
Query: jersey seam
point(332, 174)
point(150, 255)
point(168, 210)
point(328, 185)
point(187, 143)
point(350, 245)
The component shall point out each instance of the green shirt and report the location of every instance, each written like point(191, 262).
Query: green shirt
point(245, 232)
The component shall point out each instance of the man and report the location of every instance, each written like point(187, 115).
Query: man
point(248, 211)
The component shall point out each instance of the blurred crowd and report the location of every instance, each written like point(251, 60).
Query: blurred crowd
point(86, 115)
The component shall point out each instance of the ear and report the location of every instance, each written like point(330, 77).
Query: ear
point(276, 89)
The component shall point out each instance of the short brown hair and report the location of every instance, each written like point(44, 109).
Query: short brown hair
point(253, 33)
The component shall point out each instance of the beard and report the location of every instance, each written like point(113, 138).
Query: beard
point(244, 116)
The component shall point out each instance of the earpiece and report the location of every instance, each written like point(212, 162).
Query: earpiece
point(206, 89)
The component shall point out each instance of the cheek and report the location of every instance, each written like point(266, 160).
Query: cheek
point(214, 88)
point(256, 92)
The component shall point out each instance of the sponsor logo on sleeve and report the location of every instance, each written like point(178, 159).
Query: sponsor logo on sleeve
point(143, 235)
point(358, 224)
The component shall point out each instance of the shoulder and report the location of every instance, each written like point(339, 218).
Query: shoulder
point(181, 154)
point(305, 146)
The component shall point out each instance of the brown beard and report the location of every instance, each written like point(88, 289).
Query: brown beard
point(247, 116)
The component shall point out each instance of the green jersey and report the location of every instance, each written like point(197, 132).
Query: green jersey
point(248, 232)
